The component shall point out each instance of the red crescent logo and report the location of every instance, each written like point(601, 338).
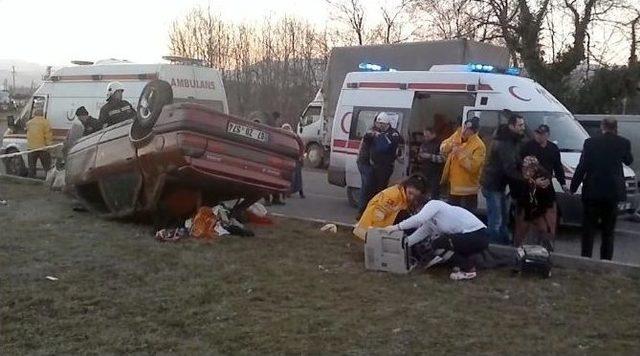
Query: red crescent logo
point(344, 119)
point(512, 92)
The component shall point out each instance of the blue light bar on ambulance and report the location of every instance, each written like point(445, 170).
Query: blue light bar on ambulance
point(513, 71)
point(477, 67)
point(485, 68)
point(372, 67)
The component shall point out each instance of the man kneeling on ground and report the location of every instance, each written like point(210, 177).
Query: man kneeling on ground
point(458, 231)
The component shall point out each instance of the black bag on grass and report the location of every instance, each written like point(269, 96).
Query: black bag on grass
point(533, 259)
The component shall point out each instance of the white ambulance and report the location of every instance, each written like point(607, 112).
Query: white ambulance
point(85, 85)
point(440, 98)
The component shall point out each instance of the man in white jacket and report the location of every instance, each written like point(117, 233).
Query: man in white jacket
point(460, 232)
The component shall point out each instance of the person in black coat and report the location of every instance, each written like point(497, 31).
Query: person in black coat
point(600, 171)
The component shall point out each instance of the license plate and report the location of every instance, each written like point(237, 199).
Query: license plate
point(247, 131)
point(624, 206)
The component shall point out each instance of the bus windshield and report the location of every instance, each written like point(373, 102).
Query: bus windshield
point(566, 132)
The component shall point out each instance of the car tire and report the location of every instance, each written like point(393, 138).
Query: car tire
point(14, 166)
point(315, 155)
point(353, 195)
point(155, 95)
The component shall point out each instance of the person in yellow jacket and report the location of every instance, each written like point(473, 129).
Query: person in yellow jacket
point(384, 207)
point(39, 134)
point(466, 155)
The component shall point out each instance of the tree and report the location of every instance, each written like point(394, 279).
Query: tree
point(521, 25)
point(633, 41)
point(350, 13)
point(455, 19)
point(269, 66)
point(611, 90)
point(391, 30)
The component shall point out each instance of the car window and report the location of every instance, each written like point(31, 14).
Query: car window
point(310, 115)
point(566, 132)
point(489, 122)
point(592, 127)
point(363, 120)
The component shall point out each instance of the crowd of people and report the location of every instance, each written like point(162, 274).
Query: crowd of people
point(514, 171)
point(40, 133)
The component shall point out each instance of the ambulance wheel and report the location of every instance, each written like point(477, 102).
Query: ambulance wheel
point(353, 195)
point(315, 155)
point(154, 97)
point(14, 166)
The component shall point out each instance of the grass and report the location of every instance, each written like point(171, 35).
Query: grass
point(290, 289)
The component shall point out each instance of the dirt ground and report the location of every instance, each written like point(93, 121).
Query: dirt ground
point(290, 289)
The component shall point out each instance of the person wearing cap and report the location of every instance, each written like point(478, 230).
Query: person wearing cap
point(465, 154)
point(601, 174)
point(386, 142)
point(85, 125)
point(116, 109)
point(90, 124)
point(547, 153)
point(378, 152)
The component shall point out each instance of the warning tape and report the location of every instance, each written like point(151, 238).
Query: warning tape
point(45, 148)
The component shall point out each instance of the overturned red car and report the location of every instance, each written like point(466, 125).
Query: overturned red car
point(176, 157)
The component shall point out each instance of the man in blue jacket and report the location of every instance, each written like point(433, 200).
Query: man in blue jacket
point(378, 152)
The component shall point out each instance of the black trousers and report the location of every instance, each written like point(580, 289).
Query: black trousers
point(464, 246)
point(381, 175)
point(603, 214)
point(32, 160)
point(468, 202)
point(433, 184)
point(374, 180)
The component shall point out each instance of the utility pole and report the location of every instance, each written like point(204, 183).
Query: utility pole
point(13, 74)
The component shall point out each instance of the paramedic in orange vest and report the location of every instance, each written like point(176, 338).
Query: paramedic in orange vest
point(383, 208)
point(39, 135)
point(465, 154)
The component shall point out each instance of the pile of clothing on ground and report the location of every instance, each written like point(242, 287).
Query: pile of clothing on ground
point(212, 223)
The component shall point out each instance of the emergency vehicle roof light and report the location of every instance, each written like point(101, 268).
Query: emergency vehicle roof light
point(372, 67)
point(513, 71)
point(485, 68)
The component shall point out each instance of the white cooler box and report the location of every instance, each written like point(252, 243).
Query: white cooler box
point(384, 251)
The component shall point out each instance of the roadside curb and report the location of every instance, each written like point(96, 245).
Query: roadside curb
point(559, 259)
point(20, 180)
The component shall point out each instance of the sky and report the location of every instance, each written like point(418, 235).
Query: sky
point(54, 32)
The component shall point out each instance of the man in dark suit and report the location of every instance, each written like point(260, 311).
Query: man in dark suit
point(600, 169)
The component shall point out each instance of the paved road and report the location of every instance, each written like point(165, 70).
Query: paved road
point(328, 202)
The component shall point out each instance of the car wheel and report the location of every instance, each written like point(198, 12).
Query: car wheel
point(353, 195)
point(315, 155)
point(15, 165)
point(154, 97)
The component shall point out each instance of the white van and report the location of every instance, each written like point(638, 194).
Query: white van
point(85, 85)
point(440, 98)
point(310, 129)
